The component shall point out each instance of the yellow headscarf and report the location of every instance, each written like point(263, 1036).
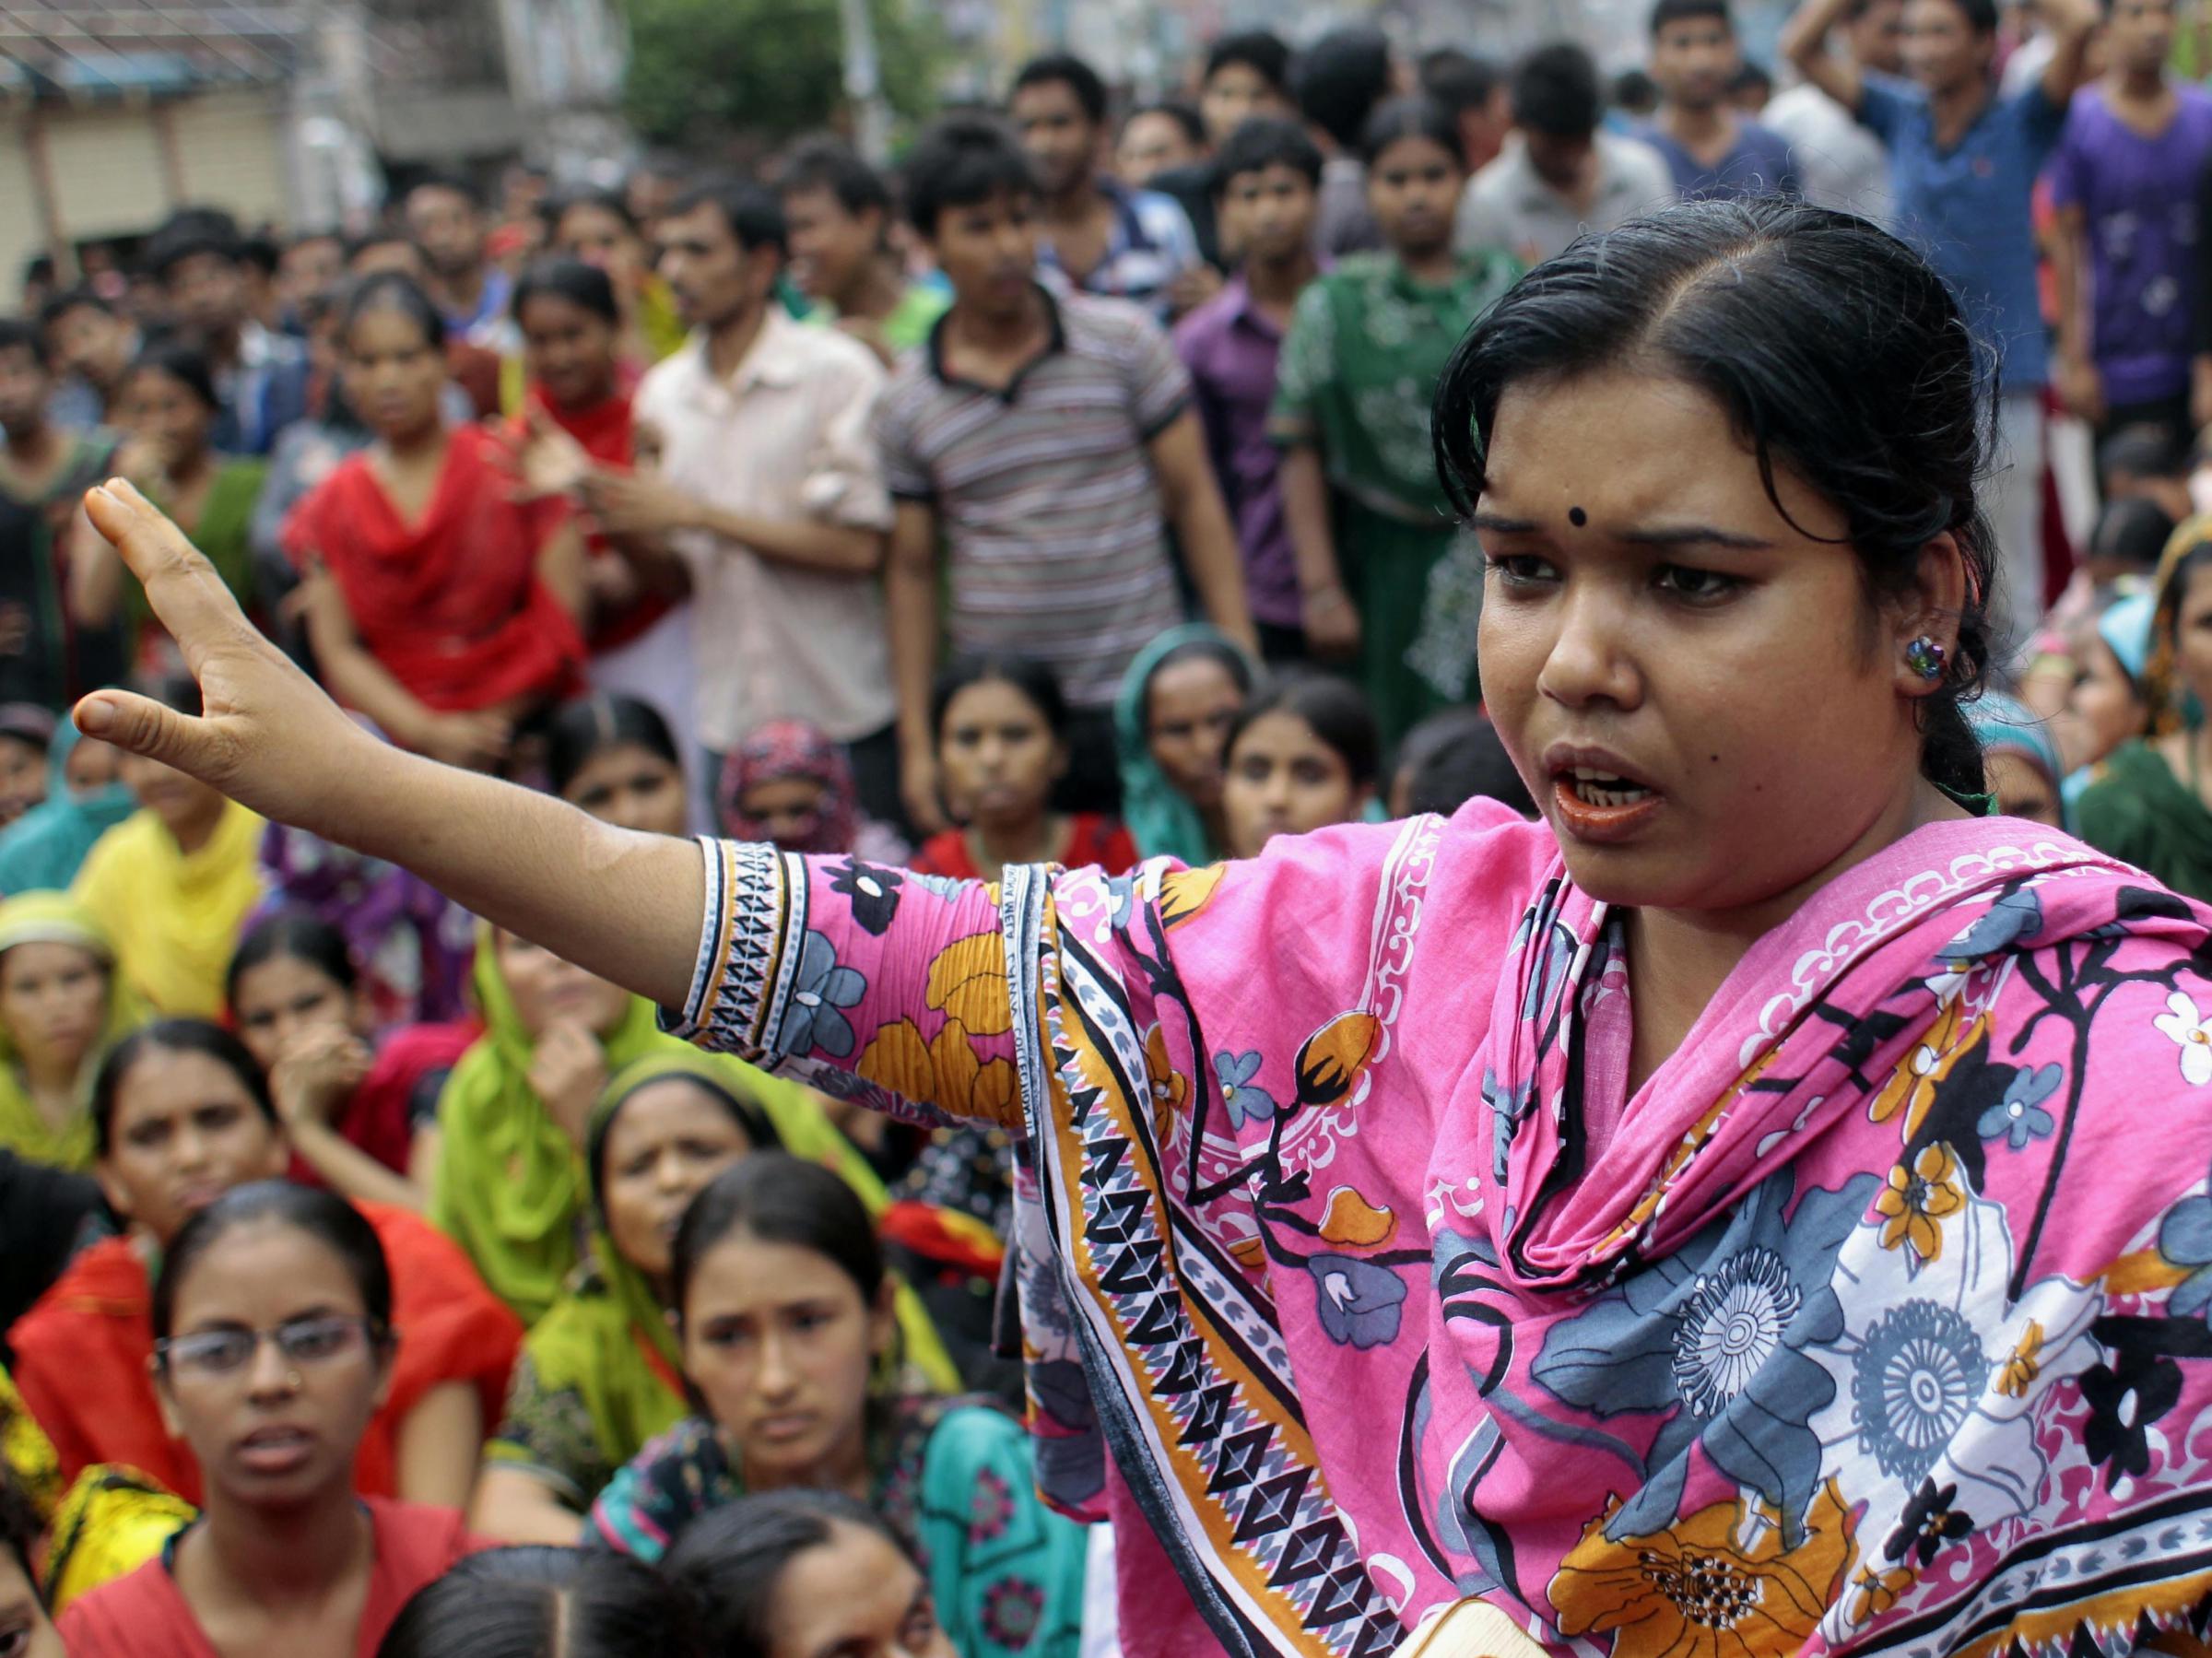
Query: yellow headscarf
point(56, 918)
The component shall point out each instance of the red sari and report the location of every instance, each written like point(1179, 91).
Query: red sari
point(1092, 838)
point(82, 1354)
point(604, 432)
point(144, 1615)
point(452, 605)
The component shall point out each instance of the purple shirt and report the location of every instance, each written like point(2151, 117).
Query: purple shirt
point(2137, 196)
point(1230, 347)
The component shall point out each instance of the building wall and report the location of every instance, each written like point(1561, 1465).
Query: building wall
point(113, 172)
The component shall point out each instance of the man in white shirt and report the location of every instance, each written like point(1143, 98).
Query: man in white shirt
point(1560, 174)
point(1840, 163)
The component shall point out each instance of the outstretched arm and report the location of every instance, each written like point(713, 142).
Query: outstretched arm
point(1805, 43)
point(624, 905)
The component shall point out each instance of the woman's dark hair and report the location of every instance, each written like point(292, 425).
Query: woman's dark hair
point(1336, 710)
point(1025, 674)
point(186, 364)
point(963, 161)
point(728, 1563)
point(778, 1198)
point(571, 280)
point(1836, 351)
point(173, 1036)
point(293, 936)
point(1221, 651)
point(20, 1527)
point(601, 721)
point(322, 1214)
point(1414, 117)
point(532, 1601)
point(747, 1114)
point(393, 291)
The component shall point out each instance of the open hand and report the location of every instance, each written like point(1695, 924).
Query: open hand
point(1332, 625)
point(270, 737)
point(475, 742)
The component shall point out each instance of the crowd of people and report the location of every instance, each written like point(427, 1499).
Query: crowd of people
point(378, 1273)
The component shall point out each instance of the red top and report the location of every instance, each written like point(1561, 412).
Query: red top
point(380, 1118)
point(82, 1353)
point(144, 1615)
point(451, 606)
point(603, 432)
point(1092, 838)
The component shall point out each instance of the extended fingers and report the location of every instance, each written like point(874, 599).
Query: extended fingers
point(183, 587)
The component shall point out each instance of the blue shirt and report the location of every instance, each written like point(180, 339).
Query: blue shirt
point(1150, 245)
point(1758, 163)
point(1966, 209)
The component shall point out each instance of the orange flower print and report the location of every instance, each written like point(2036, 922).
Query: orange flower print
point(2025, 1364)
point(968, 982)
point(1698, 1589)
point(947, 1072)
point(1874, 1591)
point(1330, 1061)
point(1926, 1063)
point(1169, 1087)
point(1187, 891)
point(1916, 1200)
point(1352, 1222)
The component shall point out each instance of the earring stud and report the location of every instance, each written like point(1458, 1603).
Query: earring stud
point(1926, 657)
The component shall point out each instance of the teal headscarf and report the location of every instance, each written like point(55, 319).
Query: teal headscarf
point(1161, 819)
point(2125, 626)
point(42, 849)
point(2003, 725)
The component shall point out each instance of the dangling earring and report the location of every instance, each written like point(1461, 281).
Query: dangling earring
point(1926, 657)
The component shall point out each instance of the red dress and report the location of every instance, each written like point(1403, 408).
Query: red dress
point(144, 1615)
point(81, 1355)
point(604, 432)
point(450, 606)
point(1092, 838)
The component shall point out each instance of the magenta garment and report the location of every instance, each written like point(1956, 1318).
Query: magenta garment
point(1877, 1323)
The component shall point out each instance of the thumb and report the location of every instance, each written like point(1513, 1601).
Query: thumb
point(144, 726)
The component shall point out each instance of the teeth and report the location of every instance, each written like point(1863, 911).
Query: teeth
point(1592, 795)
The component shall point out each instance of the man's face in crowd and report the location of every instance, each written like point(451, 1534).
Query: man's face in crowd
point(1944, 51)
point(831, 245)
point(712, 278)
point(447, 227)
point(1560, 158)
point(1693, 59)
point(311, 269)
point(2139, 35)
point(1233, 94)
point(1877, 36)
point(93, 343)
point(207, 294)
point(1151, 144)
point(1062, 139)
point(24, 383)
point(988, 251)
point(1267, 215)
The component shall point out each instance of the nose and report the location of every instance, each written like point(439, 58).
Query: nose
point(775, 1378)
point(269, 1375)
point(1586, 663)
point(190, 1149)
point(670, 1172)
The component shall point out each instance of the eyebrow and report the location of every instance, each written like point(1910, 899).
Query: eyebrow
point(1665, 535)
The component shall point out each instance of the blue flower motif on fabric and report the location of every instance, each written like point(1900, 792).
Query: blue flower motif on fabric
point(1917, 1375)
point(1508, 1106)
point(2019, 1117)
point(1246, 1102)
point(1717, 1335)
point(2185, 1239)
point(1358, 1302)
point(2013, 919)
point(1547, 977)
point(815, 1018)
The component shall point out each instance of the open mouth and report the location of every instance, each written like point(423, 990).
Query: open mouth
point(1603, 789)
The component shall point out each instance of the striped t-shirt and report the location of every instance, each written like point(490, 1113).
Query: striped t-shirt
point(1044, 491)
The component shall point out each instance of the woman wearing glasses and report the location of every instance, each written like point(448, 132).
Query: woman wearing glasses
point(273, 1354)
point(180, 1115)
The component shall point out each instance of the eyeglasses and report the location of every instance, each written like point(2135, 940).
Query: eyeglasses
point(302, 1341)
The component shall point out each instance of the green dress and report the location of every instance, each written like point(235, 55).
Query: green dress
point(1359, 367)
point(225, 533)
point(2137, 810)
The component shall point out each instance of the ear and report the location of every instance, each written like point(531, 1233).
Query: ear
point(1931, 607)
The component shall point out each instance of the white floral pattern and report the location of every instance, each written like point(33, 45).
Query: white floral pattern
point(2189, 1028)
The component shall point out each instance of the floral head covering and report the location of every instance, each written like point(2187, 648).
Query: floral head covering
point(786, 748)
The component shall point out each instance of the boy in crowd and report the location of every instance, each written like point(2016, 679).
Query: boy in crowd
point(1475, 90)
point(1339, 82)
point(1269, 183)
point(2134, 148)
point(1963, 160)
point(1247, 73)
point(1713, 150)
point(1157, 138)
point(1568, 174)
point(1048, 442)
point(260, 376)
point(92, 344)
point(1840, 163)
point(445, 217)
point(1104, 237)
point(837, 217)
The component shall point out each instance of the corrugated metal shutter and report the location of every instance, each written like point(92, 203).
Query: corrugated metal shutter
point(107, 171)
point(21, 234)
point(231, 147)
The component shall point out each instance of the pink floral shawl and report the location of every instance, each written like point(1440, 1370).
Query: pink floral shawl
point(1880, 1321)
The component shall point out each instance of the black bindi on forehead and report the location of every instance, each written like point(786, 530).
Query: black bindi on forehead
point(1577, 517)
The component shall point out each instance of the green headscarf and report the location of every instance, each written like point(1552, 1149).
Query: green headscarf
point(42, 849)
point(56, 918)
point(509, 1186)
point(1159, 819)
point(608, 1342)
